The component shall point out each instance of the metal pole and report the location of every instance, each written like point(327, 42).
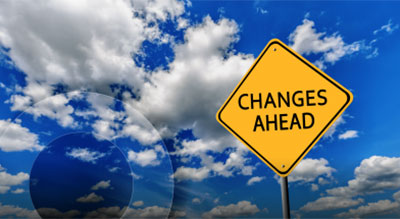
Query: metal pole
point(285, 197)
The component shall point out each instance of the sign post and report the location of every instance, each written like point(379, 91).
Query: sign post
point(281, 108)
point(285, 197)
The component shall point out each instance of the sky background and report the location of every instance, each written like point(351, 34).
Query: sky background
point(138, 72)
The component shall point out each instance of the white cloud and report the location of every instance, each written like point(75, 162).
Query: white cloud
point(138, 203)
point(113, 169)
point(374, 175)
point(255, 179)
point(105, 42)
point(314, 187)
point(11, 210)
point(7, 180)
point(18, 191)
point(331, 203)
point(15, 137)
point(348, 134)
point(144, 158)
point(85, 155)
point(333, 129)
point(396, 196)
point(381, 207)
point(189, 173)
point(91, 198)
point(55, 213)
point(310, 169)
point(242, 208)
point(306, 40)
point(83, 45)
point(388, 28)
point(101, 185)
point(261, 10)
point(106, 212)
point(203, 66)
point(150, 212)
point(59, 51)
point(196, 201)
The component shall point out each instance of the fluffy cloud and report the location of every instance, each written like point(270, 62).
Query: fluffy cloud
point(14, 137)
point(310, 169)
point(330, 203)
point(55, 107)
point(255, 179)
point(101, 185)
point(201, 66)
point(242, 208)
point(149, 157)
point(375, 174)
point(348, 134)
point(7, 180)
point(55, 213)
point(106, 212)
point(381, 207)
point(151, 212)
point(85, 155)
point(91, 198)
point(189, 173)
point(306, 40)
point(11, 210)
point(59, 51)
point(196, 201)
point(18, 191)
point(138, 203)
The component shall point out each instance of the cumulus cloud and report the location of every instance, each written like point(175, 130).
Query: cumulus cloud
point(151, 212)
point(18, 191)
point(59, 51)
point(85, 155)
point(196, 201)
point(331, 203)
point(255, 179)
point(306, 40)
point(348, 134)
point(15, 137)
point(202, 65)
point(15, 211)
point(381, 207)
point(374, 175)
point(138, 203)
point(7, 180)
point(310, 169)
point(149, 157)
point(189, 173)
point(106, 212)
point(91, 198)
point(54, 107)
point(101, 185)
point(55, 213)
point(242, 208)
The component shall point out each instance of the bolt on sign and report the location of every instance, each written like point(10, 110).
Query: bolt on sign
point(282, 107)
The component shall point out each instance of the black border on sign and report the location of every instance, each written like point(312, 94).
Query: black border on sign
point(319, 134)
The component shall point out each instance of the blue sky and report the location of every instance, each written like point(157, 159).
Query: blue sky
point(172, 64)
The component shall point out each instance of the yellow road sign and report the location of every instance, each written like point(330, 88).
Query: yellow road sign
point(282, 107)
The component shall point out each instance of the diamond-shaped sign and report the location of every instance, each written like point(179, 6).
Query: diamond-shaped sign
point(282, 107)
